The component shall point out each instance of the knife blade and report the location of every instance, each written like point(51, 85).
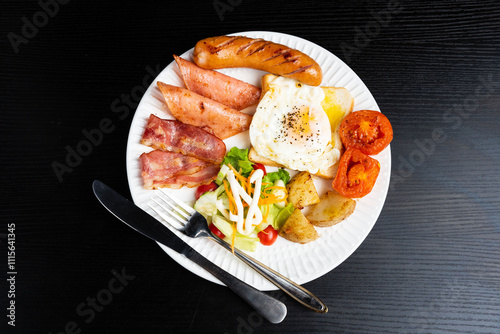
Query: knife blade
point(139, 220)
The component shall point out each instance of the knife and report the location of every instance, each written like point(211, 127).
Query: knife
point(269, 308)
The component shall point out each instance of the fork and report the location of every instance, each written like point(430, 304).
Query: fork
point(194, 225)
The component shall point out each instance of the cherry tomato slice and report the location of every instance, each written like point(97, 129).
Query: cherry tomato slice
point(204, 188)
point(268, 236)
point(356, 175)
point(367, 130)
point(216, 231)
point(260, 166)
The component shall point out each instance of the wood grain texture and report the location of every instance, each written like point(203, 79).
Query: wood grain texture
point(431, 263)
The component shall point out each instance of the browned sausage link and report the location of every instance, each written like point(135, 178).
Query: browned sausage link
point(302, 69)
point(227, 42)
point(240, 51)
point(250, 43)
point(214, 48)
point(289, 60)
point(259, 48)
point(277, 53)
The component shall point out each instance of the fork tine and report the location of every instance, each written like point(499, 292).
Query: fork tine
point(179, 203)
point(172, 218)
point(171, 205)
point(168, 219)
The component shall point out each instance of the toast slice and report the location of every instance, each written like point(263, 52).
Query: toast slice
point(254, 157)
point(338, 103)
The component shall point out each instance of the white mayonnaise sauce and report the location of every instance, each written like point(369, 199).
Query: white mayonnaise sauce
point(254, 215)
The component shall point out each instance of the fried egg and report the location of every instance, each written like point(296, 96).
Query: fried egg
point(290, 126)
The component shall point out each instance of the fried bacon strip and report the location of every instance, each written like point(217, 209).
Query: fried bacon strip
point(174, 136)
point(204, 176)
point(174, 170)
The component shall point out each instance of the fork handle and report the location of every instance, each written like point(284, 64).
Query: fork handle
point(294, 290)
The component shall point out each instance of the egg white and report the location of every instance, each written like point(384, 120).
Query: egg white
point(291, 128)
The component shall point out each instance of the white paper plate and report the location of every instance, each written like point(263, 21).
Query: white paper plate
point(301, 263)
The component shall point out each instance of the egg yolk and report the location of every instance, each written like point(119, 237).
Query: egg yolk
point(297, 121)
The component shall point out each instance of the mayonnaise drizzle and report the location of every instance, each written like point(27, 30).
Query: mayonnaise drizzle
point(254, 215)
point(220, 206)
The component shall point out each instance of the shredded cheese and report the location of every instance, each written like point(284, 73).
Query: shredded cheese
point(233, 239)
point(230, 197)
point(238, 175)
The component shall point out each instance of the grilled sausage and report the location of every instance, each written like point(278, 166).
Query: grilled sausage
point(238, 51)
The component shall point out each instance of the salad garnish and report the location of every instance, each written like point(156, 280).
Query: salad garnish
point(247, 203)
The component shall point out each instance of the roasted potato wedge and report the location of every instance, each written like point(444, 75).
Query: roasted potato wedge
point(298, 229)
point(331, 209)
point(301, 190)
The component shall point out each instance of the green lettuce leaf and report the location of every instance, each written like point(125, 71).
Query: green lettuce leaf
point(281, 218)
point(280, 174)
point(238, 158)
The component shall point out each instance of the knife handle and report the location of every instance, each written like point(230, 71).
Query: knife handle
point(268, 307)
point(294, 290)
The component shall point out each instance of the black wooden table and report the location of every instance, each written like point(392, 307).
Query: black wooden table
point(431, 263)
